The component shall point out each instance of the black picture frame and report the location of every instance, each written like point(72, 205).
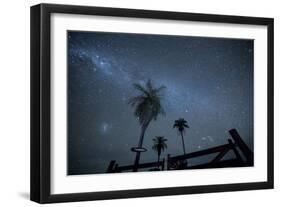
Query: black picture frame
point(41, 95)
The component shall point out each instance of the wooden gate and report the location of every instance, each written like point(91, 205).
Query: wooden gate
point(243, 157)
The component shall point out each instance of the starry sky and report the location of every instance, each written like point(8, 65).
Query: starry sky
point(209, 82)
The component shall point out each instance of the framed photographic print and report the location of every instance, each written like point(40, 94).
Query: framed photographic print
point(132, 103)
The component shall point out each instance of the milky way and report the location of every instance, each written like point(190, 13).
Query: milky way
point(209, 82)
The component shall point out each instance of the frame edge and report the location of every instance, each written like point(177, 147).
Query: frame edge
point(40, 89)
point(270, 102)
point(35, 25)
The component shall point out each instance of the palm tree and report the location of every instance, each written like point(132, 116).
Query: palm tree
point(159, 145)
point(181, 124)
point(147, 108)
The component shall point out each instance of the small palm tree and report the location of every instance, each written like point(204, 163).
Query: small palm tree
point(147, 108)
point(159, 145)
point(181, 124)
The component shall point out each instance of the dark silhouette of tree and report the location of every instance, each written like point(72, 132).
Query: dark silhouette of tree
point(147, 108)
point(159, 145)
point(181, 124)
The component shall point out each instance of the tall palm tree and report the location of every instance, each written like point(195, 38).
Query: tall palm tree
point(147, 108)
point(181, 124)
point(159, 145)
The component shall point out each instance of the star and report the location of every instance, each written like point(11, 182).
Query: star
point(209, 82)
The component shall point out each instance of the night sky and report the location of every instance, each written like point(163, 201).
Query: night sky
point(209, 82)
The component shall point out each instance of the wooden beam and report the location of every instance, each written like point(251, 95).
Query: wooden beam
point(238, 156)
point(143, 165)
point(220, 164)
point(219, 156)
point(242, 145)
point(201, 153)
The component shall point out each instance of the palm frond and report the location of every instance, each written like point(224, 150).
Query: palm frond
point(140, 88)
point(185, 125)
point(159, 144)
point(149, 85)
point(161, 88)
point(135, 100)
point(180, 124)
point(148, 103)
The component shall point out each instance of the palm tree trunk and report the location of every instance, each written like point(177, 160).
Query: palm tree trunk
point(136, 163)
point(158, 160)
point(137, 159)
point(183, 146)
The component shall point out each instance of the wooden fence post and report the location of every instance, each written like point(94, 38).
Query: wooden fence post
point(110, 166)
point(168, 162)
point(116, 168)
point(163, 164)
